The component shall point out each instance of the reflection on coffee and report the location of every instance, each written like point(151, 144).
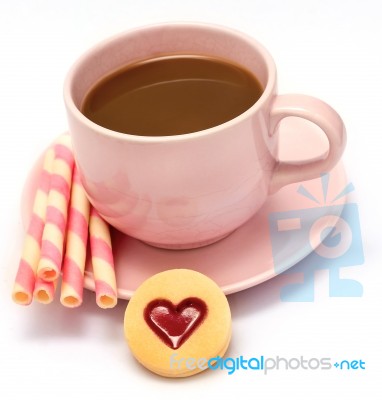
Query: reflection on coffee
point(171, 95)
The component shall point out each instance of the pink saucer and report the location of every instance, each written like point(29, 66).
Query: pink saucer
point(245, 258)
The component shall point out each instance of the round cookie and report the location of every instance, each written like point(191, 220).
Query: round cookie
point(176, 322)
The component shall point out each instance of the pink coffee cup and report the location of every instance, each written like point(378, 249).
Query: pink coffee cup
point(190, 190)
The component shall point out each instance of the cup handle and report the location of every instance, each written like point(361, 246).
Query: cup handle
point(321, 114)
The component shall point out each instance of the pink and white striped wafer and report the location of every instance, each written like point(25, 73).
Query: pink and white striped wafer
point(76, 243)
point(53, 236)
point(102, 261)
point(26, 274)
point(44, 291)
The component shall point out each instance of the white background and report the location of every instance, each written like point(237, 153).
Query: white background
point(330, 49)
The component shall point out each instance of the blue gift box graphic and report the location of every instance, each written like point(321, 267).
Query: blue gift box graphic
point(332, 236)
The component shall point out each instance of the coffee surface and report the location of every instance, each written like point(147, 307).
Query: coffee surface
point(171, 95)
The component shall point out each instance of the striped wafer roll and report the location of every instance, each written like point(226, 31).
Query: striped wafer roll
point(53, 236)
point(102, 261)
point(26, 274)
point(76, 242)
point(44, 291)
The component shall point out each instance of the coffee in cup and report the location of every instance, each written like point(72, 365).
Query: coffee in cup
point(191, 168)
point(171, 95)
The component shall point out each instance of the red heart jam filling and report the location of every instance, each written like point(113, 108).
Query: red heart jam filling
point(175, 324)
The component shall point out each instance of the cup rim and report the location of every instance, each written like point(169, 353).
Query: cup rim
point(267, 92)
